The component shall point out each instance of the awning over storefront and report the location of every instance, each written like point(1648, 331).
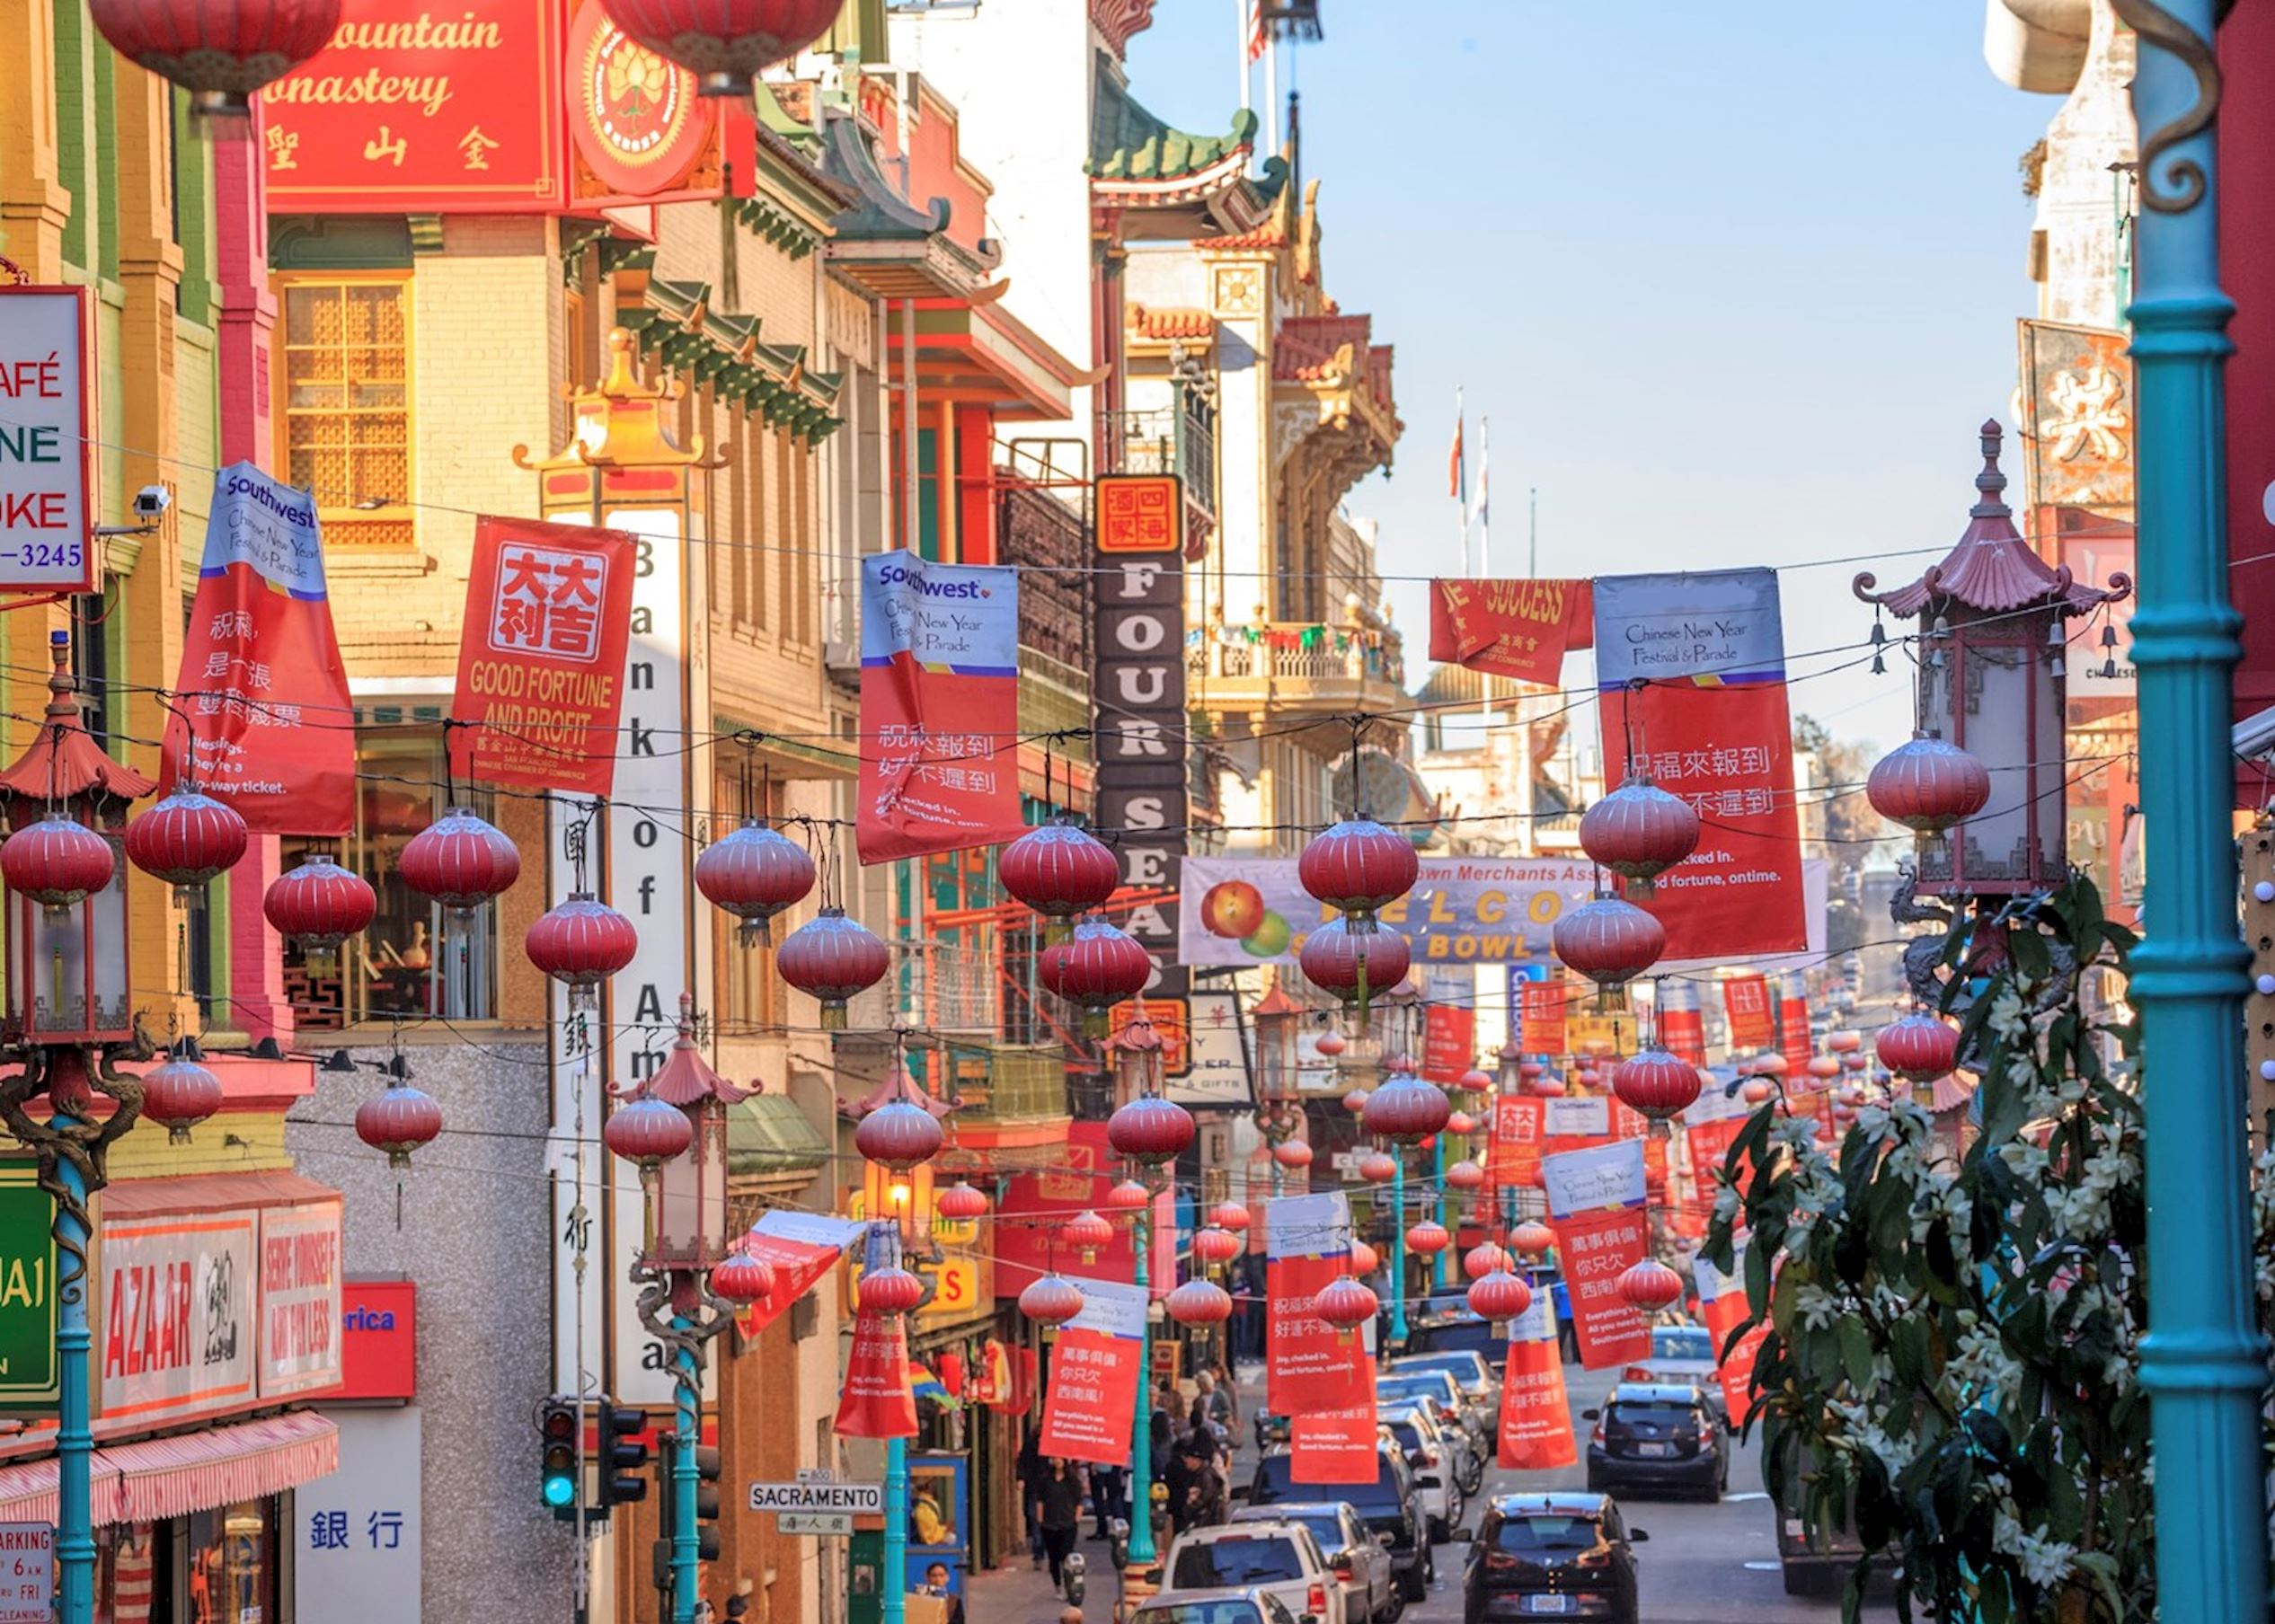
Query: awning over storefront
point(163, 1478)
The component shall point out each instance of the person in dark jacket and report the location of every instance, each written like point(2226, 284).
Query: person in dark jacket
point(1058, 1509)
point(1031, 1474)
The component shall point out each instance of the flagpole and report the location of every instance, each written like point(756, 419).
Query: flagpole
point(1240, 53)
point(1485, 498)
point(1532, 532)
point(1461, 481)
point(1271, 89)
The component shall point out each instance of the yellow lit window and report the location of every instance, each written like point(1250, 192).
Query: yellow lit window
point(344, 410)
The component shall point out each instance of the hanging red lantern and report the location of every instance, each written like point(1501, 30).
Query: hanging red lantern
point(754, 873)
point(1379, 1167)
point(1609, 940)
point(185, 840)
point(1474, 1080)
point(741, 1279)
point(1461, 1124)
point(1500, 1295)
point(1405, 1108)
point(1354, 965)
point(1656, 1083)
point(221, 53)
point(1639, 831)
point(58, 863)
point(581, 943)
point(1150, 1131)
point(1465, 1175)
point(1060, 869)
point(401, 1118)
point(899, 1134)
point(1482, 1259)
point(1129, 1196)
point(1531, 1070)
point(1854, 1063)
point(959, 1203)
point(1345, 1304)
point(1918, 1048)
point(459, 861)
point(1532, 1239)
point(1088, 1234)
point(1358, 867)
point(1651, 1285)
point(1199, 1302)
point(1331, 1043)
point(1355, 1100)
point(1847, 1041)
point(724, 43)
point(1756, 1091)
point(1050, 1300)
point(1214, 1245)
point(887, 1292)
point(1927, 784)
point(1292, 1154)
point(1364, 1258)
point(1548, 1085)
point(835, 959)
point(1229, 1215)
point(319, 905)
point(1824, 1066)
point(178, 1094)
point(646, 1133)
point(1428, 1238)
point(1098, 966)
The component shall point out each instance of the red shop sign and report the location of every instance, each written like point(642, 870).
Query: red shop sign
point(378, 1339)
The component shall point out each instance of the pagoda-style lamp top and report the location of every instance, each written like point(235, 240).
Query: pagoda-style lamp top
point(691, 1189)
point(1135, 1051)
point(1279, 1030)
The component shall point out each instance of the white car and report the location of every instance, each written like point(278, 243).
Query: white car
point(1435, 1462)
point(1276, 1558)
point(1356, 1557)
point(1468, 1367)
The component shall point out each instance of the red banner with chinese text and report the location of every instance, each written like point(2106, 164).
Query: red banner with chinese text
point(1512, 1154)
point(1517, 629)
point(878, 1401)
point(541, 655)
point(1596, 1206)
point(1034, 1206)
point(1745, 1003)
point(1449, 1043)
point(1683, 1033)
point(800, 1247)
point(1721, 1300)
point(1535, 1432)
point(1308, 1365)
point(1091, 1397)
point(1335, 1445)
point(1541, 1008)
point(1794, 1039)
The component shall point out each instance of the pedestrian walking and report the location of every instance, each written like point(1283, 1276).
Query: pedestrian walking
point(1059, 1510)
point(1030, 1476)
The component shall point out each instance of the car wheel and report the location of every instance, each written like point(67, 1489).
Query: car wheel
point(1412, 1586)
point(1392, 1610)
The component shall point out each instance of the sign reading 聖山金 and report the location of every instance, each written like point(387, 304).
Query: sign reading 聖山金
point(29, 1377)
point(47, 441)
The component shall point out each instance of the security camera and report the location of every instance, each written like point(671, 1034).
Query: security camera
point(2254, 736)
point(150, 502)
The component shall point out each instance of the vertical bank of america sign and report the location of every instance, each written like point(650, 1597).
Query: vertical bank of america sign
point(1138, 586)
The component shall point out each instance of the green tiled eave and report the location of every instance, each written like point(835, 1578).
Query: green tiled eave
point(768, 1136)
point(1128, 143)
point(725, 352)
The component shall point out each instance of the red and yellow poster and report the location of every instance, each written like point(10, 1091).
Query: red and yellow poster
point(1536, 1415)
point(876, 1402)
point(939, 707)
point(262, 718)
point(1334, 1445)
point(1517, 629)
point(1449, 1043)
point(1541, 1011)
point(1596, 1206)
point(1092, 1396)
point(1309, 1365)
point(541, 655)
point(1746, 1005)
point(1512, 1154)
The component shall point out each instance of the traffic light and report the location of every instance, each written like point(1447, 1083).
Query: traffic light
point(624, 1456)
point(707, 1466)
point(559, 1421)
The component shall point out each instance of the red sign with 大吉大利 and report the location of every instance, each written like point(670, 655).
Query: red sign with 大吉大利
point(1746, 1004)
point(1512, 1155)
point(541, 655)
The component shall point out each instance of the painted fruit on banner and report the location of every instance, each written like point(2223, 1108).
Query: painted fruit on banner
point(1255, 910)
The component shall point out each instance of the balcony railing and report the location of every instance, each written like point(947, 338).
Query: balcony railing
point(1284, 651)
point(1019, 1084)
point(1180, 439)
point(940, 986)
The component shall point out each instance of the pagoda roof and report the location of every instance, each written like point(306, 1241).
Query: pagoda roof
point(1139, 161)
point(685, 1078)
point(63, 760)
point(1170, 322)
point(885, 240)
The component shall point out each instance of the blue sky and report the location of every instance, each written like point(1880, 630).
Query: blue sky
point(1735, 283)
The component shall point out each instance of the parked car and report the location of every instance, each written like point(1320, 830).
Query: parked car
point(1225, 1607)
point(1359, 1562)
point(1476, 1374)
point(1389, 1506)
point(1280, 1558)
point(1456, 1330)
point(1654, 1437)
point(1682, 1355)
point(1438, 1460)
point(1462, 1421)
point(1555, 1554)
point(1818, 1563)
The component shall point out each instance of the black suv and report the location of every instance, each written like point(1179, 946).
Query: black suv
point(1658, 1436)
point(1387, 1506)
point(1556, 1555)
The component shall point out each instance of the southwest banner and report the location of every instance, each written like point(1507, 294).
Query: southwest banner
point(1746, 1006)
point(1092, 1392)
point(1513, 1146)
point(1536, 1416)
point(801, 1248)
point(1722, 1299)
point(1309, 1365)
point(939, 707)
point(1333, 1446)
point(878, 1401)
point(1517, 629)
point(1462, 910)
point(1711, 1126)
point(1596, 1206)
point(541, 655)
point(1691, 669)
point(263, 719)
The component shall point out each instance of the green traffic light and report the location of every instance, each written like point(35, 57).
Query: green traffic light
point(560, 1490)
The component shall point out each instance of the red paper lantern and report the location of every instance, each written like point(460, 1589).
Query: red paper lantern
point(1533, 1239)
point(1098, 966)
point(887, 1292)
point(959, 1203)
point(1357, 865)
point(1150, 1131)
point(1651, 1285)
point(221, 51)
point(1927, 784)
point(1531, 1070)
point(1428, 1238)
point(755, 873)
point(1292, 1154)
point(1548, 1085)
point(1461, 1124)
point(1352, 964)
point(401, 1118)
point(646, 1133)
point(1500, 1295)
point(1847, 1041)
point(1378, 1167)
point(1918, 1048)
point(1345, 1304)
point(741, 1279)
point(459, 861)
point(1639, 831)
point(1608, 940)
point(834, 959)
point(1756, 1091)
point(318, 904)
point(1050, 1300)
point(1474, 1080)
point(1854, 1063)
point(1215, 1246)
point(1129, 1196)
point(1822, 1066)
point(1229, 1215)
point(178, 1094)
point(58, 863)
point(1088, 1233)
point(1061, 871)
point(1656, 1083)
point(1465, 1175)
point(581, 943)
point(1364, 1260)
point(899, 1134)
point(1482, 1259)
point(1405, 1108)
point(185, 840)
point(1200, 1303)
point(1331, 1044)
point(1355, 1100)
point(724, 43)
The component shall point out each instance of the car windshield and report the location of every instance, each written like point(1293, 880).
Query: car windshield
point(1681, 1342)
point(1461, 1367)
point(1653, 1415)
point(1275, 1480)
point(1326, 1531)
point(1475, 1335)
point(1543, 1532)
point(1234, 1559)
point(1203, 1612)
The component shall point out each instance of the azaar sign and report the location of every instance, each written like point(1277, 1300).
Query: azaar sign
point(1139, 691)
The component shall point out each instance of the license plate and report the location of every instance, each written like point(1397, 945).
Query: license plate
point(1548, 1605)
point(1653, 1451)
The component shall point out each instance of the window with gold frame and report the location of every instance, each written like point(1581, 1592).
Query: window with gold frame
point(343, 404)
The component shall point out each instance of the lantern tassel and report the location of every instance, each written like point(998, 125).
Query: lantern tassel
point(833, 1015)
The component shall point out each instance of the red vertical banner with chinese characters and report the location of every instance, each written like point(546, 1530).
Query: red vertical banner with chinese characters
point(1682, 1024)
point(1092, 1396)
point(1334, 1445)
point(1536, 1416)
point(800, 1247)
point(1711, 1126)
point(1596, 1206)
point(1721, 1300)
point(1691, 674)
point(1449, 1043)
point(263, 720)
point(1512, 1154)
point(1309, 1365)
point(1541, 1010)
point(541, 655)
point(1793, 1040)
point(1746, 1006)
point(876, 1400)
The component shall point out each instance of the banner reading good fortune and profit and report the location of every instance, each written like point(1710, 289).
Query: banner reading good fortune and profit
point(1462, 910)
point(1092, 1395)
point(1309, 1365)
point(801, 1248)
point(1536, 1417)
point(939, 707)
point(1596, 1206)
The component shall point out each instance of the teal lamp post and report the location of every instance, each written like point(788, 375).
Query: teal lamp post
point(2203, 1360)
